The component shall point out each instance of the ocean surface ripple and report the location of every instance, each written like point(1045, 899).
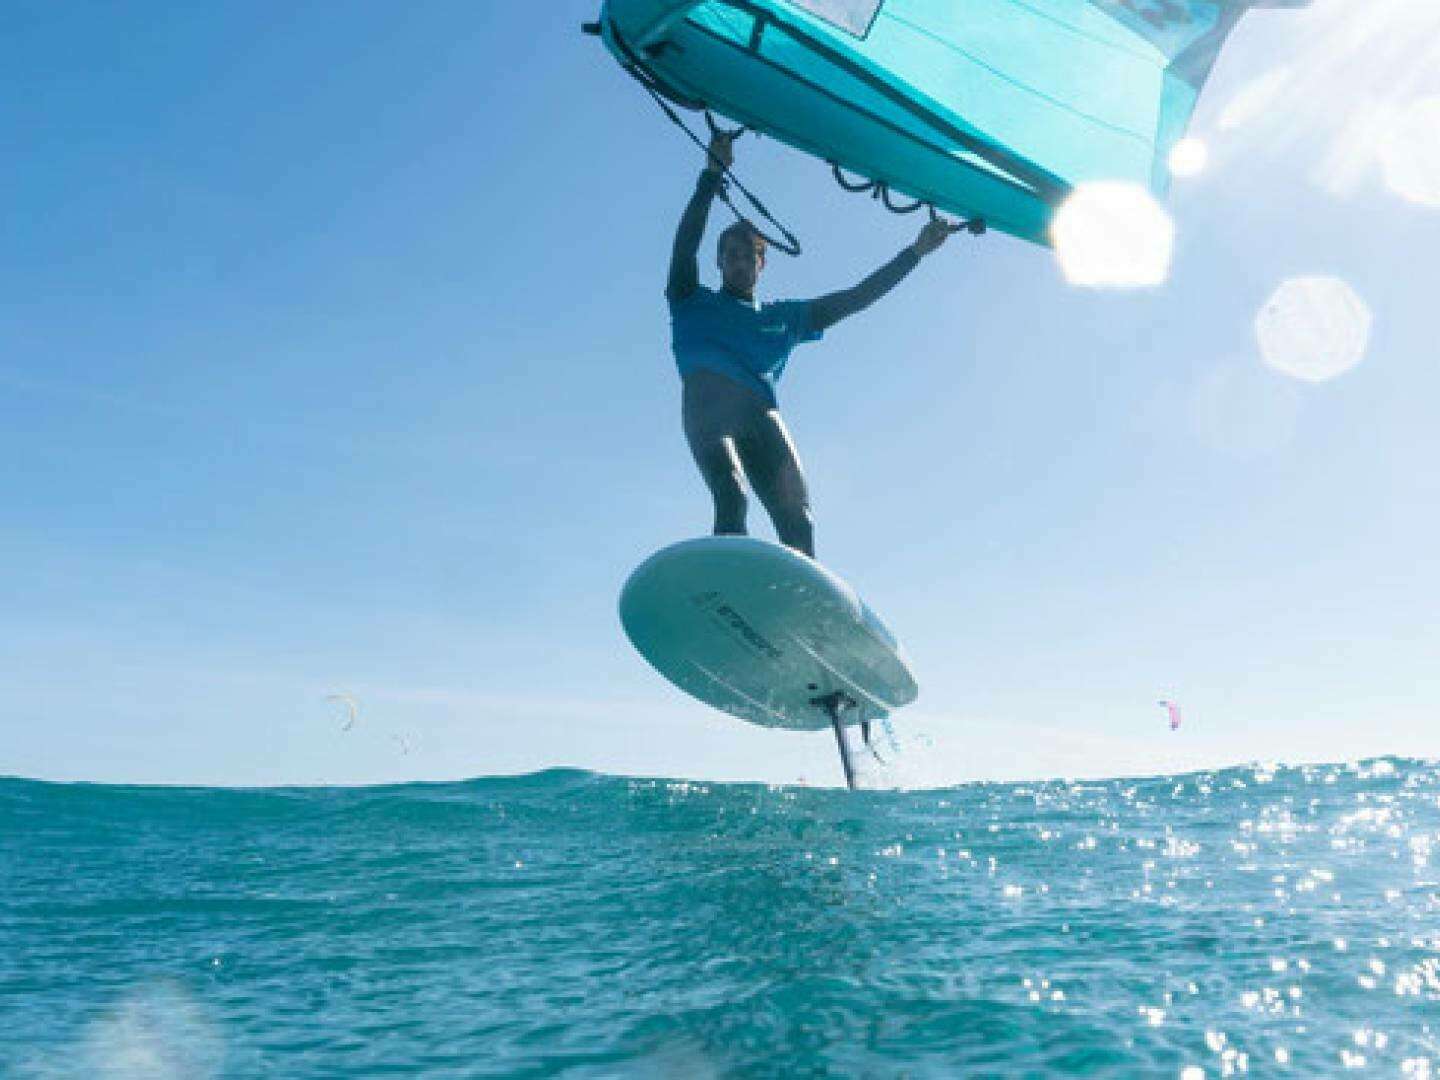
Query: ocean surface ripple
point(1263, 920)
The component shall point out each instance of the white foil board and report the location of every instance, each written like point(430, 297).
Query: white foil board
point(760, 631)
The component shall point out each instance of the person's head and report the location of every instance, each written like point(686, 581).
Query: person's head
point(741, 256)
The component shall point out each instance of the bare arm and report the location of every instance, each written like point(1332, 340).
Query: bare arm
point(827, 310)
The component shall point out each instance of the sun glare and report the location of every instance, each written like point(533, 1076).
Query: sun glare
point(1410, 153)
point(1188, 158)
point(1352, 69)
point(1113, 235)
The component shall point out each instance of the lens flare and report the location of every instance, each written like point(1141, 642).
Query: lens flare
point(1313, 328)
point(1113, 235)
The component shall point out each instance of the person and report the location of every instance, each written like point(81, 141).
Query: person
point(731, 352)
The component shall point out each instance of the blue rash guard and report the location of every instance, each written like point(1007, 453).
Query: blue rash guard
point(747, 343)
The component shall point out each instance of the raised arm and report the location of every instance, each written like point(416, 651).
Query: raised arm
point(827, 310)
point(684, 265)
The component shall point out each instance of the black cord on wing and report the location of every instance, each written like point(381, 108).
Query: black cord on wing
point(877, 189)
point(662, 96)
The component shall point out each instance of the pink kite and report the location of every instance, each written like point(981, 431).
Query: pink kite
point(1174, 711)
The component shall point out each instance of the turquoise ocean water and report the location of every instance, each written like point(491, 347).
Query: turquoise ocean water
point(1260, 921)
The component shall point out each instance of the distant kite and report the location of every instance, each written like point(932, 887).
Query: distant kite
point(351, 710)
point(1174, 710)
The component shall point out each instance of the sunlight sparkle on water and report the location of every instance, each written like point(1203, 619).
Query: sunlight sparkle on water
point(1167, 915)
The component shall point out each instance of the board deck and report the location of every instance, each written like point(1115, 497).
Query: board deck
point(761, 632)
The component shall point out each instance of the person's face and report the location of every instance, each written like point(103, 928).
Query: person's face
point(740, 264)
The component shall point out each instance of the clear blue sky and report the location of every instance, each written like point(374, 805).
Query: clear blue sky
point(333, 358)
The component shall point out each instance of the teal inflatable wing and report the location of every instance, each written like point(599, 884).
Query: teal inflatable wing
point(992, 110)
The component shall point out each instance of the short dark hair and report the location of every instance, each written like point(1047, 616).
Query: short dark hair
point(745, 232)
